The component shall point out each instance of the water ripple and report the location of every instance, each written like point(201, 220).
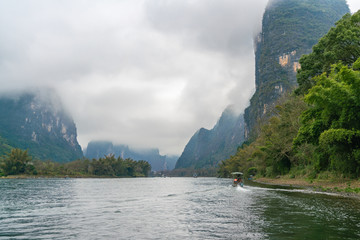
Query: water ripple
point(169, 208)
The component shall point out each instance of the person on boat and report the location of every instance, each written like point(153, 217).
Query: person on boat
point(237, 178)
point(235, 181)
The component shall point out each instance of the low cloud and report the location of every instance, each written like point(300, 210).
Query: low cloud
point(147, 73)
point(354, 5)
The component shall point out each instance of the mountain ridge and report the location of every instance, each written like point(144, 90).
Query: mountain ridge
point(207, 148)
point(97, 149)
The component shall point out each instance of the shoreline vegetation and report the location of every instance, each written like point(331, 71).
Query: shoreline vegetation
point(19, 163)
point(343, 187)
point(312, 133)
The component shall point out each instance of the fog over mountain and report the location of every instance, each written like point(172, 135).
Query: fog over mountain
point(146, 73)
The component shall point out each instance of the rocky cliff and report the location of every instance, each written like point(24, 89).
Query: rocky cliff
point(39, 123)
point(289, 29)
point(207, 148)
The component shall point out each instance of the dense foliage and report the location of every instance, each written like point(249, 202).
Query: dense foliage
point(271, 153)
point(333, 120)
point(341, 43)
point(19, 162)
point(319, 131)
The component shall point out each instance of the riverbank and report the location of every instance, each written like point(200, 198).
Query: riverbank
point(345, 187)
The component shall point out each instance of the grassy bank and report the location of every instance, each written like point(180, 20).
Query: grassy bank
point(342, 186)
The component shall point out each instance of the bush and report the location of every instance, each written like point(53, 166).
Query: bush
point(16, 162)
point(252, 171)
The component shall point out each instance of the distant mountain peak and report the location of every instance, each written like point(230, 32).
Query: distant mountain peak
point(98, 149)
point(207, 148)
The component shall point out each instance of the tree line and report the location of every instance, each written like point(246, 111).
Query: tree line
point(19, 162)
point(314, 131)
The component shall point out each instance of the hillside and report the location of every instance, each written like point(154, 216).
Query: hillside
point(289, 29)
point(314, 133)
point(38, 122)
point(208, 147)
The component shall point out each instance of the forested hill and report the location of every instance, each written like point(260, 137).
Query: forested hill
point(289, 29)
point(37, 121)
point(315, 132)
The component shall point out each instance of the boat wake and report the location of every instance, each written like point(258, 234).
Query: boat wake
point(242, 189)
point(305, 191)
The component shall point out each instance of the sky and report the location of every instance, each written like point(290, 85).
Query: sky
point(145, 73)
point(354, 5)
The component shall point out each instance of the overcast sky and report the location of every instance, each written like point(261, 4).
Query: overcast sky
point(146, 73)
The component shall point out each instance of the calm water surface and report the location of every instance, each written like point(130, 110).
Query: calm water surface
point(169, 208)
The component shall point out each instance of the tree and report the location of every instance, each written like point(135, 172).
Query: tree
point(17, 162)
point(271, 153)
point(333, 120)
point(340, 44)
point(143, 168)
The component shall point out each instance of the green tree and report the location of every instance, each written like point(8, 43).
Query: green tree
point(340, 44)
point(272, 152)
point(143, 168)
point(103, 166)
point(17, 162)
point(333, 120)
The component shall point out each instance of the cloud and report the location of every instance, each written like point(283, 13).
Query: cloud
point(354, 5)
point(147, 73)
point(224, 26)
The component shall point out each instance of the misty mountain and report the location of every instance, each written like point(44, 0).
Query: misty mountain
point(207, 148)
point(289, 29)
point(38, 122)
point(98, 149)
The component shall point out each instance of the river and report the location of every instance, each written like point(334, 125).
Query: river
point(170, 208)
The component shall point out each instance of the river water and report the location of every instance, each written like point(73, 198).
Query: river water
point(170, 208)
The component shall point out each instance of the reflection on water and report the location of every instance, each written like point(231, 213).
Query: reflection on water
point(169, 208)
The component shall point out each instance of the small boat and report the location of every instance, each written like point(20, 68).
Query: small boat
point(238, 179)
